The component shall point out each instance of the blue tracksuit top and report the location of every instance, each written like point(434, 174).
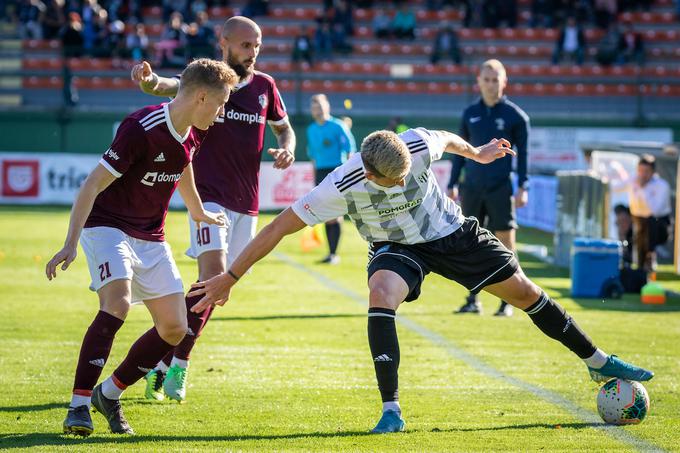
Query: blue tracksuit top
point(329, 144)
point(479, 125)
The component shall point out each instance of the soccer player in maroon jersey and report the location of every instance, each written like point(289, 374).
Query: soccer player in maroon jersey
point(119, 215)
point(227, 172)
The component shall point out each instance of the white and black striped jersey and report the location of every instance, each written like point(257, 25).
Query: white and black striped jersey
point(415, 213)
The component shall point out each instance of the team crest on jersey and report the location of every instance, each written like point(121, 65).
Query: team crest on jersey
point(262, 99)
point(500, 124)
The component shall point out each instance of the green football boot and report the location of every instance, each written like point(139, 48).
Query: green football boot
point(154, 385)
point(175, 383)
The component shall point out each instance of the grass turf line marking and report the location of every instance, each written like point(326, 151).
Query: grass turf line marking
point(584, 415)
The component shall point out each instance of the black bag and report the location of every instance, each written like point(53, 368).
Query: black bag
point(633, 279)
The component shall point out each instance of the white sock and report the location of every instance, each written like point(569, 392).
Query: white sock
point(162, 367)
point(179, 362)
point(597, 360)
point(80, 400)
point(392, 406)
point(111, 390)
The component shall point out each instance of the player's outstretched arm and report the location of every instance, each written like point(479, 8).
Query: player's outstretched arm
point(284, 155)
point(187, 189)
point(151, 83)
point(98, 180)
point(217, 289)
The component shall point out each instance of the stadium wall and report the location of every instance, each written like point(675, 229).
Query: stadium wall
point(92, 132)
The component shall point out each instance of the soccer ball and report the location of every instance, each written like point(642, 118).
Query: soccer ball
point(621, 402)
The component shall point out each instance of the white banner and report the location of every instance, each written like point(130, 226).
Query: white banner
point(52, 178)
point(541, 211)
point(559, 148)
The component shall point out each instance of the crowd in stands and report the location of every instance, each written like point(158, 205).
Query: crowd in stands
point(115, 28)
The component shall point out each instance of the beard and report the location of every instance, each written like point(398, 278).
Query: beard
point(241, 71)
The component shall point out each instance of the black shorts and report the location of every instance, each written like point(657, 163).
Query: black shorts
point(471, 256)
point(494, 207)
point(320, 174)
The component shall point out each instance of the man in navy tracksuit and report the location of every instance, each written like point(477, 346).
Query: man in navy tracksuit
point(486, 192)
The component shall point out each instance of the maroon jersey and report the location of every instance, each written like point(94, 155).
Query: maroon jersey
point(147, 157)
point(227, 170)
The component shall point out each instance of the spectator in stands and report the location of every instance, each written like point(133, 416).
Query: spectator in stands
point(445, 44)
point(72, 36)
point(609, 45)
point(631, 46)
point(570, 41)
point(303, 50)
point(605, 12)
point(649, 196)
point(171, 40)
point(116, 42)
point(344, 17)
point(31, 14)
point(53, 20)
point(89, 14)
point(323, 40)
point(174, 6)
point(381, 24)
point(541, 14)
point(256, 8)
point(490, 13)
point(507, 13)
point(137, 44)
point(99, 42)
point(624, 228)
point(196, 7)
point(200, 38)
point(404, 23)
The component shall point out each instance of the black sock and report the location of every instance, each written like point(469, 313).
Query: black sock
point(554, 321)
point(333, 235)
point(382, 338)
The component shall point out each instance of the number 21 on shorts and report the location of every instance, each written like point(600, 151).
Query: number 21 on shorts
point(104, 271)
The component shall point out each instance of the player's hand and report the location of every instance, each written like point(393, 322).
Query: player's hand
point(212, 218)
point(493, 150)
point(141, 72)
point(283, 158)
point(215, 292)
point(521, 198)
point(453, 193)
point(66, 255)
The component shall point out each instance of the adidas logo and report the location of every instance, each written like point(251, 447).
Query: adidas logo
point(145, 370)
point(98, 362)
point(160, 158)
point(382, 358)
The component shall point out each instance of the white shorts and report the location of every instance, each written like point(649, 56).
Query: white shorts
point(113, 255)
point(232, 240)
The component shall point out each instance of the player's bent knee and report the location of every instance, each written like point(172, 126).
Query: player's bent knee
point(173, 333)
point(381, 296)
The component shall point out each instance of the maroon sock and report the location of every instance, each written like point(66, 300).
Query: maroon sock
point(197, 322)
point(142, 357)
point(95, 351)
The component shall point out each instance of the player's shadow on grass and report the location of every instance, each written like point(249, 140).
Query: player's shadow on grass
point(538, 270)
point(35, 407)
point(22, 441)
point(527, 426)
point(287, 317)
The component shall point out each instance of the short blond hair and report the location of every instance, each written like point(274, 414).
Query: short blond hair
point(385, 154)
point(208, 73)
point(494, 65)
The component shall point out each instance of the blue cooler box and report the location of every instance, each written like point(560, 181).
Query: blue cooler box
point(593, 262)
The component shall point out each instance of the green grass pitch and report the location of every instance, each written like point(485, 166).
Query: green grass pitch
point(285, 364)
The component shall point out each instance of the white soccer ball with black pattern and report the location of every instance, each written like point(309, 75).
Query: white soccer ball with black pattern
point(621, 402)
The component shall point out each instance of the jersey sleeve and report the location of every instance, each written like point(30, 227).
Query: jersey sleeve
point(434, 141)
point(276, 110)
point(321, 204)
point(348, 144)
point(128, 145)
